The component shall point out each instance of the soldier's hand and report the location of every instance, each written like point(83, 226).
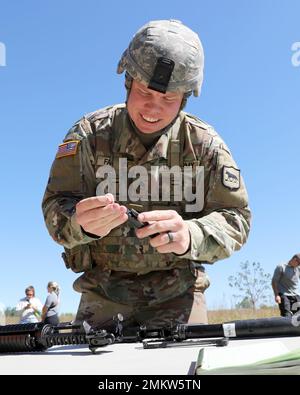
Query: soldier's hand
point(174, 235)
point(100, 214)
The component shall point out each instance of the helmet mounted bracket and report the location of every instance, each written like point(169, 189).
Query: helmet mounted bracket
point(161, 75)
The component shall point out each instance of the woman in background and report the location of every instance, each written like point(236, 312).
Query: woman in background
point(51, 306)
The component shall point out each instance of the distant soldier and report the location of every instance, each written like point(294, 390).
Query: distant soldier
point(149, 280)
point(285, 284)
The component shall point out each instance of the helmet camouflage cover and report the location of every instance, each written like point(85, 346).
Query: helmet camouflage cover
point(167, 56)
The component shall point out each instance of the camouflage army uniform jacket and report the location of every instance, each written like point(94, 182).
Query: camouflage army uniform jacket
point(105, 136)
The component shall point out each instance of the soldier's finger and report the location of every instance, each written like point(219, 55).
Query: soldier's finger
point(105, 228)
point(108, 212)
point(94, 202)
point(118, 221)
point(114, 215)
point(162, 239)
point(157, 227)
point(156, 215)
point(95, 214)
point(113, 208)
point(100, 222)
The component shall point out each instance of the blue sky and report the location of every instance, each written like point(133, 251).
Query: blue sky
point(61, 59)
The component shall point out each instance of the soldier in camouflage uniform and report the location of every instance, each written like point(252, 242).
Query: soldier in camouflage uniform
point(156, 280)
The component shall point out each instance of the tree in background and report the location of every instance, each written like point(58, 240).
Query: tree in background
point(11, 311)
point(245, 303)
point(252, 283)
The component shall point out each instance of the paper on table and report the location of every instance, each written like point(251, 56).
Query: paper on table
point(220, 357)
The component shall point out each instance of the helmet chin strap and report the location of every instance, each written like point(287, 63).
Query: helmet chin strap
point(128, 83)
point(184, 100)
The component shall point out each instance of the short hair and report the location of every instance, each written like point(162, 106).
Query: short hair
point(30, 288)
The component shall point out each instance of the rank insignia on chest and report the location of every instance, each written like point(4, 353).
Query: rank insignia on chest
point(231, 177)
point(66, 149)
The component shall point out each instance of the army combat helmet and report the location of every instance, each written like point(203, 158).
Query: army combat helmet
point(167, 56)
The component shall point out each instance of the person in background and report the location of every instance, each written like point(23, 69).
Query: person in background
point(30, 307)
point(51, 306)
point(285, 284)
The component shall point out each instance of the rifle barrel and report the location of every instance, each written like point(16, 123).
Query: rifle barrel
point(254, 328)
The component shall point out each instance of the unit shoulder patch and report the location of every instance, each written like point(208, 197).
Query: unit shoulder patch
point(231, 178)
point(66, 149)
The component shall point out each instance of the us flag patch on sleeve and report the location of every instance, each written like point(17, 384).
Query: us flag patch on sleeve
point(66, 149)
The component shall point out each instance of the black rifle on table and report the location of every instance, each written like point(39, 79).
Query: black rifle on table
point(215, 334)
point(39, 337)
